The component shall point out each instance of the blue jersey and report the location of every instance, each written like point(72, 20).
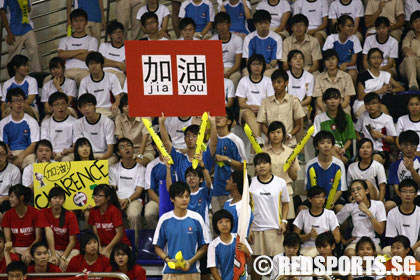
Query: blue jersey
point(237, 17)
point(186, 234)
point(91, 7)
point(156, 172)
point(181, 162)
point(222, 255)
point(398, 171)
point(201, 13)
point(233, 147)
point(344, 50)
point(15, 16)
point(235, 209)
point(199, 202)
point(325, 177)
point(19, 135)
point(270, 47)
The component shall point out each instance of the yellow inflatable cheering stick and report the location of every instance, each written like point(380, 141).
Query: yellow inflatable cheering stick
point(312, 177)
point(180, 262)
point(69, 31)
point(200, 138)
point(333, 190)
point(156, 139)
point(298, 148)
point(252, 139)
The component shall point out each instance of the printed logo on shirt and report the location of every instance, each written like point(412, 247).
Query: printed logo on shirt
point(98, 90)
point(203, 15)
point(241, 15)
point(315, 226)
point(265, 193)
point(126, 178)
point(255, 92)
point(405, 225)
point(24, 231)
point(25, 131)
point(295, 86)
point(58, 131)
point(269, 48)
point(200, 201)
point(105, 225)
point(190, 230)
point(58, 230)
point(362, 215)
point(312, 11)
point(333, 127)
point(224, 148)
point(114, 54)
point(76, 45)
point(94, 133)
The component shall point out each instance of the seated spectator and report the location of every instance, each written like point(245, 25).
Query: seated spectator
point(5, 255)
point(280, 12)
point(61, 228)
point(346, 44)
point(222, 250)
point(333, 77)
point(307, 44)
point(376, 81)
point(97, 128)
point(150, 23)
point(407, 167)
point(75, 49)
point(326, 245)
point(58, 129)
point(9, 176)
point(367, 215)
point(16, 270)
point(89, 258)
point(410, 67)
point(410, 6)
point(411, 121)
point(122, 260)
point(21, 224)
point(15, 17)
point(83, 150)
point(281, 107)
point(352, 8)
point(386, 43)
point(324, 142)
point(231, 47)
point(392, 10)
point(58, 83)
point(106, 219)
point(301, 82)
point(201, 11)
point(43, 153)
point(338, 123)
point(369, 170)
point(18, 71)
point(317, 13)
point(377, 126)
point(40, 264)
point(114, 52)
point(160, 10)
point(270, 201)
point(252, 90)
point(404, 219)
point(310, 223)
point(400, 246)
point(364, 248)
point(18, 130)
point(239, 12)
point(95, 16)
point(134, 129)
point(127, 177)
point(229, 93)
point(263, 42)
point(101, 84)
point(187, 28)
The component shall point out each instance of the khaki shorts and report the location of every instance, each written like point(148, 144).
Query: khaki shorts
point(190, 276)
point(268, 243)
point(322, 33)
point(309, 251)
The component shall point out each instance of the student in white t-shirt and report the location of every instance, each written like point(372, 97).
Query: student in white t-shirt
point(353, 8)
point(309, 223)
point(114, 52)
point(58, 83)
point(127, 177)
point(175, 127)
point(252, 90)
point(75, 48)
point(229, 93)
point(160, 10)
point(43, 153)
point(405, 219)
point(101, 84)
point(150, 23)
point(97, 128)
point(368, 169)
point(231, 47)
point(270, 204)
point(58, 129)
point(280, 12)
point(411, 121)
point(368, 216)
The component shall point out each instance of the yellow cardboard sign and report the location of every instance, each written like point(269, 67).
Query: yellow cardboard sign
point(77, 178)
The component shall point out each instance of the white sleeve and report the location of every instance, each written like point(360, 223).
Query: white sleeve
point(115, 84)
point(110, 131)
point(165, 11)
point(102, 49)
point(245, 50)
point(33, 87)
point(357, 46)
point(182, 9)
point(230, 88)
point(317, 125)
point(93, 45)
point(329, 43)
point(77, 130)
point(44, 92)
point(332, 14)
point(62, 45)
point(2, 124)
point(34, 127)
point(284, 194)
point(343, 177)
point(390, 128)
point(343, 214)
point(112, 176)
point(360, 10)
point(391, 229)
point(311, 86)
point(296, 7)
point(270, 89)
point(44, 130)
point(27, 176)
point(380, 214)
point(349, 176)
point(359, 124)
point(211, 12)
point(399, 127)
point(381, 175)
point(211, 255)
point(299, 221)
point(366, 46)
point(16, 177)
point(324, 8)
point(279, 47)
point(239, 45)
point(241, 89)
point(394, 49)
point(72, 91)
point(147, 175)
point(333, 222)
point(125, 87)
point(83, 86)
point(140, 178)
point(407, 10)
point(139, 14)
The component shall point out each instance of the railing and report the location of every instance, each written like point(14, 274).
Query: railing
point(337, 273)
point(118, 275)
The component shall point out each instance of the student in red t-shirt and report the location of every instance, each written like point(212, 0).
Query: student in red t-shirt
point(106, 219)
point(61, 228)
point(122, 261)
point(89, 257)
point(21, 225)
point(40, 264)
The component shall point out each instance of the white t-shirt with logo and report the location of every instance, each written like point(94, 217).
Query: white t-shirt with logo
point(126, 179)
point(399, 223)
point(71, 43)
point(301, 86)
point(102, 89)
point(254, 92)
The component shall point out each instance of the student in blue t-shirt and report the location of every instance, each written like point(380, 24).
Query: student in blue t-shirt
point(201, 11)
point(221, 252)
point(96, 16)
point(183, 161)
point(263, 41)
point(181, 230)
point(239, 12)
point(235, 187)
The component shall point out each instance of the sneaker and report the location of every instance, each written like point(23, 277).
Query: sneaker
point(414, 88)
